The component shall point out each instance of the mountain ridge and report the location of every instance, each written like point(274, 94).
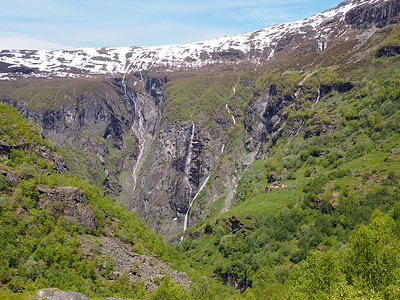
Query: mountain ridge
point(253, 48)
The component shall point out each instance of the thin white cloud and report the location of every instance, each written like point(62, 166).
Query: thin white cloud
point(204, 6)
point(49, 24)
point(11, 40)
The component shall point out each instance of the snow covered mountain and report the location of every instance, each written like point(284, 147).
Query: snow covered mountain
point(255, 48)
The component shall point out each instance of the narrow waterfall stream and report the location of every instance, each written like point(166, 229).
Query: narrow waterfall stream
point(143, 129)
point(298, 130)
point(142, 139)
point(189, 161)
point(140, 129)
point(185, 223)
point(186, 176)
point(227, 103)
point(319, 94)
point(142, 142)
point(229, 111)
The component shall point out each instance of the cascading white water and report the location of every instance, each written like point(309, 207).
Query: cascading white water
point(123, 83)
point(185, 223)
point(319, 95)
point(229, 111)
point(227, 103)
point(142, 142)
point(234, 88)
point(141, 137)
point(140, 129)
point(298, 130)
point(188, 161)
point(139, 126)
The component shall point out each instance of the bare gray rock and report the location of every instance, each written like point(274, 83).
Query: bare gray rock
point(69, 202)
point(47, 294)
point(140, 267)
point(11, 176)
point(4, 148)
point(57, 159)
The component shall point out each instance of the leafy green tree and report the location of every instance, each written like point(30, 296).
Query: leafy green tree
point(265, 285)
point(201, 290)
point(169, 290)
point(373, 255)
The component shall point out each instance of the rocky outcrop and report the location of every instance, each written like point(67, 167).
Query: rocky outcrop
point(388, 51)
point(4, 148)
point(138, 267)
point(68, 202)
point(45, 152)
point(233, 281)
point(57, 159)
point(11, 176)
point(378, 14)
point(264, 117)
point(51, 294)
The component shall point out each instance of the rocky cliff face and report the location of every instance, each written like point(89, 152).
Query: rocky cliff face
point(164, 189)
point(101, 126)
point(373, 13)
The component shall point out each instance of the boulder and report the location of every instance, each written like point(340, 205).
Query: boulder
point(47, 294)
point(11, 176)
point(4, 148)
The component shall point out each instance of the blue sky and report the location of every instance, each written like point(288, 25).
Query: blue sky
point(55, 24)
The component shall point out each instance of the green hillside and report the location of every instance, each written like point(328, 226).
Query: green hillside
point(42, 248)
point(328, 228)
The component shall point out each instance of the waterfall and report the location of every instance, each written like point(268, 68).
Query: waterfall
point(140, 129)
point(142, 142)
point(123, 83)
point(185, 223)
point(229, 112)
point(227, 103)
point(298, 131)
point(234, 88)
point(222, 149)
point(188, 161)
point(319, 94)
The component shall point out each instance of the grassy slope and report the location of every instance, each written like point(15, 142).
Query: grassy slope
point(43, 94)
